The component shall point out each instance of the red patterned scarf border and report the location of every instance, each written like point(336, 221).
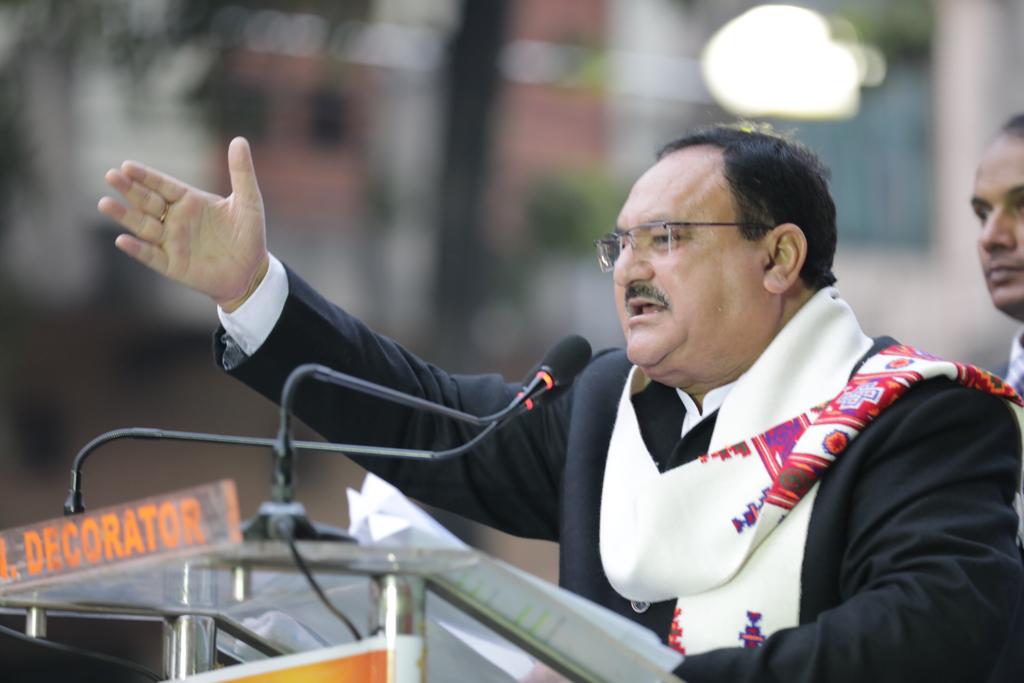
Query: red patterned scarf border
point(837, 423)
point(822, 434)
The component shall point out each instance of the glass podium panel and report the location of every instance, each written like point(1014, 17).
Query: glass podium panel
point(484, 620)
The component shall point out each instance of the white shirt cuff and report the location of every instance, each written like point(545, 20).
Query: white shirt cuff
point(251, 323)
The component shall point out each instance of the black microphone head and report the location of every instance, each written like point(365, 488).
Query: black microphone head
point(564, 360)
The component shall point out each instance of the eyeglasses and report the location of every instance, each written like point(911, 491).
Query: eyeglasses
point(656, 239)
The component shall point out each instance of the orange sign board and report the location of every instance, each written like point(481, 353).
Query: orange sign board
point(364, 668)
point(169, 523)
point(364, 661)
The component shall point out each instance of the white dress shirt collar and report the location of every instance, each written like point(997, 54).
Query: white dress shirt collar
point(694, 414)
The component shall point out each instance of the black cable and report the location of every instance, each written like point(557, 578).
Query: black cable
point(285, 527)
point(81, 652)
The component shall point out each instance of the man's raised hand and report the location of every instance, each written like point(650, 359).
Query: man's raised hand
point(215, 245)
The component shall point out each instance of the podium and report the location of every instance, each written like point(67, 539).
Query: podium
point(425, 615)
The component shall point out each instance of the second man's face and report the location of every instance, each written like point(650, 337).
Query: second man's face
point(998, 202)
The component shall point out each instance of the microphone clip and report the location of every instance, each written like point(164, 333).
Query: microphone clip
point(278, 521)
point(542, 382)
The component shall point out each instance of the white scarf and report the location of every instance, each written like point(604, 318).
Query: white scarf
point(657, 540)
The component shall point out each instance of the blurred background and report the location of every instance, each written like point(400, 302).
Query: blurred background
point(439, 168)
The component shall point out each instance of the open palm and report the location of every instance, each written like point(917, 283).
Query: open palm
point(215, 245)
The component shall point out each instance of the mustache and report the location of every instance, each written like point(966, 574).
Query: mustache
point(647, 291)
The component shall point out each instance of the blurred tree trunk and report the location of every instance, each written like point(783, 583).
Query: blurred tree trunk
point(464, 261)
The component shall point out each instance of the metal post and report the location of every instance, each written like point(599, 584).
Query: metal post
point(241, 583)
point(400, 608)
point(190, 646)
point(190, 640)
point(35, 622)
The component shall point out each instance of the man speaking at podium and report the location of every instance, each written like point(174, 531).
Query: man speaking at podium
point(776, 494)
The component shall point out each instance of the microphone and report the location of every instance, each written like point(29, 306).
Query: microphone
point(557, 369)
point(275, 520)
point(73, 504)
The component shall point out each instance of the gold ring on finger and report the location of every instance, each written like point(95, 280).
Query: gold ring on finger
point(163, 216)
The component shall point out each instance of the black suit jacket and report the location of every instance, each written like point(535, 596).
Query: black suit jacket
point(910, 571)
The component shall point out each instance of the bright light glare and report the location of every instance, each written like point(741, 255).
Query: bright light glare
point(870, 64)
point(782, 60)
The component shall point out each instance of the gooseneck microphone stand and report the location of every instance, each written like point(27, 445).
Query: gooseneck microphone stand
point(282, 517)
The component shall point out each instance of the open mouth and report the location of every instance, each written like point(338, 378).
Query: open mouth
point(642, 298)
point(637, 307)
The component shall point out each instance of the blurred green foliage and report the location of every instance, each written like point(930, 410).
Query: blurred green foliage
point(569, 208)
point(901, 30)
point(128, 35)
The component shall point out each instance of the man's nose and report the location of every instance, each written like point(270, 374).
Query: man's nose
point(632, 265)
point(1000, 230)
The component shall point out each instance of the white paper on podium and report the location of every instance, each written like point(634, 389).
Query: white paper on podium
point(381, 515)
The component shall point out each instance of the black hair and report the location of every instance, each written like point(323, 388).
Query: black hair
point(774, 179)
point(1014, 126)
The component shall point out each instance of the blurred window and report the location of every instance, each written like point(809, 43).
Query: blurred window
point(327, 117)
point(881, 161)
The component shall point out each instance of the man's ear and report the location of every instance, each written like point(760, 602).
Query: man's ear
point(786, 250)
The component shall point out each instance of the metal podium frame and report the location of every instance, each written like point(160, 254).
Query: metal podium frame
point(191, 593)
